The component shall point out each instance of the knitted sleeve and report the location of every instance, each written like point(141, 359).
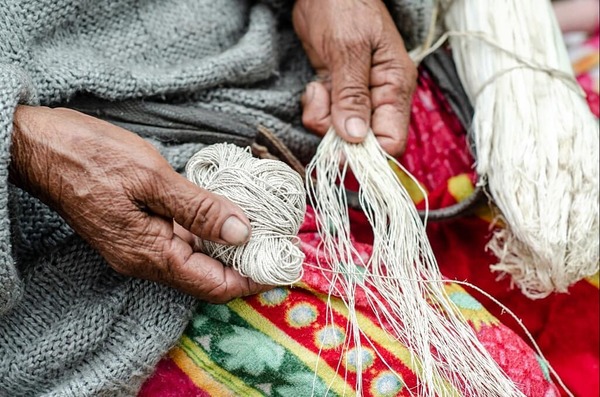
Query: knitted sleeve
point(412, 18)
point(15, 88)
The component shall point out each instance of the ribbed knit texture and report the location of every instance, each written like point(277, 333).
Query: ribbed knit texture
point(69, 325)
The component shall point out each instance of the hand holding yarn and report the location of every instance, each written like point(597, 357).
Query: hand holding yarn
point(366, 78)
point(125, 205)
point(274, 199)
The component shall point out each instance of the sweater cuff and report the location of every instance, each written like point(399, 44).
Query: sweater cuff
point(15, 89)
point(413, 18)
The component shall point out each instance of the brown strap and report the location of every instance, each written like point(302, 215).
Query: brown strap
point(267, 145)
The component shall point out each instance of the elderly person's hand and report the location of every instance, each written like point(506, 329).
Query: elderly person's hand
point(366, 76)
point(119, 194)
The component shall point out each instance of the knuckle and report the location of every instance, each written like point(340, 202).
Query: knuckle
point(349, 47)
point(398, 79)
point(147, 182)
point(401, 106)
point(204, 207)
point(354, 96)
point(402, 77)
point(204, 214)
point(172, 267)
point(354, 43)
point(350, 40)
point(314, 123)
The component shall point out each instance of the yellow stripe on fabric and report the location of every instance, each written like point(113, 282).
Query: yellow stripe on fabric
point(264, 325)
point(460, 188)
point(471, 309)
point(383, 339)
point(594, 280)
point(415, 191)
point(374, 332)
point(198, 377)
point(220, 377)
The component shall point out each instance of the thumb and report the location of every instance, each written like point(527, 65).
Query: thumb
point(205, 214)
point(350, 94)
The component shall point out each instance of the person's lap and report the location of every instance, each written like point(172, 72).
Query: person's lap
point(284, 342)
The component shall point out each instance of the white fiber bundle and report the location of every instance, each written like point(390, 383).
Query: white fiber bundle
point(273, 198)
point(410, 298)
point(536, 140)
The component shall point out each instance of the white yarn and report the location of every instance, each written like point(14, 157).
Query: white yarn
point(412, 305)
point(273, 198)
point(536, 139)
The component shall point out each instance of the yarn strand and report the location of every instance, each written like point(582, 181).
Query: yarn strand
point(410, 300)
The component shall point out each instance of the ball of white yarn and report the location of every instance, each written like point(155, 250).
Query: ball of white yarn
point(273, 198)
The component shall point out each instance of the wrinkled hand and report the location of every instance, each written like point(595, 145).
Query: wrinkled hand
point(366, 76)
point(119, 194)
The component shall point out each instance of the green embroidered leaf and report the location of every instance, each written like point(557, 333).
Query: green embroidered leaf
point(303, 384)
point(198, 321)
point(217, 312)
point(251, 351)
point(205, 317)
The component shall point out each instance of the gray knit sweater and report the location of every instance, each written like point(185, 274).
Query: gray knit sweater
point(69, 325)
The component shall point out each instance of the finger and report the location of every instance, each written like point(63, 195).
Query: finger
point(392, 146)
point(194, 241)
point(390, 126)
point(201, 276)
point(316, 105)
point(350, 95)
point(161, 255)
point(393, 80)
point(207, 215)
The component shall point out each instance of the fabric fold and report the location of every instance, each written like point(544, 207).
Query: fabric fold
point(15, 88)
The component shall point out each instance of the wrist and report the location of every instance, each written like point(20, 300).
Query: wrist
point(29, 168)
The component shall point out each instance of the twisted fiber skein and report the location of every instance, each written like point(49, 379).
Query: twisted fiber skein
point(537, 141)
point(274, 199)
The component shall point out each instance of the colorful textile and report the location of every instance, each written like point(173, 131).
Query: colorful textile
point(585, 57)
point(269, 345)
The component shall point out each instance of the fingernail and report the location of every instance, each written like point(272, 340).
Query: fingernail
point(234, 231)
point(356, 127)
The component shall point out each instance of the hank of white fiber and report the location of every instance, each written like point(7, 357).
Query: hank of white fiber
point(272, 196)
point(536, 139)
